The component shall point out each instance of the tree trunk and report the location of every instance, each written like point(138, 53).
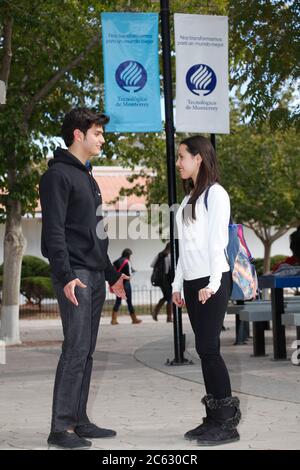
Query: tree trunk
point(14, 247)
point(267, 257)
point(6, 57)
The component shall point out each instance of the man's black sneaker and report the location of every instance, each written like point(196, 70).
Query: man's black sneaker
point(67, 440)
point(92, 431)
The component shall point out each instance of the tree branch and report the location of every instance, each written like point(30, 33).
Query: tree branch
point(6, 60)
point(278, 234)
point(259, 230)
point(28, 110)
point(256, 230)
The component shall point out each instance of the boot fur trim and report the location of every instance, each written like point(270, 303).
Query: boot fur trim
point(217, 403)
point(231, 423)
point(233, 402)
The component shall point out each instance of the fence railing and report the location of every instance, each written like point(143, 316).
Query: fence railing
point(143, 298)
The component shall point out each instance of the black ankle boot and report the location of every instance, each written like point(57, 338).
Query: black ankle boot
point(197, 432)
point(226, 416)
point(207, 422)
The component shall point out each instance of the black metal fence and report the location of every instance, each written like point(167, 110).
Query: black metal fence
point(143, 298)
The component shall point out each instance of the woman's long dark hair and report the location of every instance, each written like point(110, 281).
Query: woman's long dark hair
point(126, 253)
point(208, 173)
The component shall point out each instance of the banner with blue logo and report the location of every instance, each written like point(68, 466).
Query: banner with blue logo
point(131, 72)
point(202, 94)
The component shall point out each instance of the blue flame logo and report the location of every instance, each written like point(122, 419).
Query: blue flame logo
point(201, 79)
point(131, 76)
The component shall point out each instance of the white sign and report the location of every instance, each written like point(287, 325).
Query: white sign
point(202, 98)
point(2, 92)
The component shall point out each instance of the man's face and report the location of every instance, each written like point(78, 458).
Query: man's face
point(93, 141)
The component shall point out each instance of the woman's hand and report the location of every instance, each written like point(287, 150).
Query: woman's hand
point(177, 300)
point(118, 287)
point(205, 294)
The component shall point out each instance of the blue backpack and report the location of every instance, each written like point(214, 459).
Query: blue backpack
point(244, 277)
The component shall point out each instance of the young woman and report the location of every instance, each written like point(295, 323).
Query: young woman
point(123, 266)
point(203, 273)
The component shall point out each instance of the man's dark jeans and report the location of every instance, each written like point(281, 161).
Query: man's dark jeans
point(80, 328)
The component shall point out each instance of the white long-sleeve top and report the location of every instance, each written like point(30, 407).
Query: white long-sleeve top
point(203, 241)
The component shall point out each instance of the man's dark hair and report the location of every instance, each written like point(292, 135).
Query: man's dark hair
point(82, 119)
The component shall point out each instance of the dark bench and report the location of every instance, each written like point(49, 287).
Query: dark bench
point(292, 306)
point(292, 319)
point(241, 328)
point(258, 313)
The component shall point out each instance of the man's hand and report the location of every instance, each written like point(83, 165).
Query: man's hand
point(118, 287)
point(177, 300)
point(69, 290)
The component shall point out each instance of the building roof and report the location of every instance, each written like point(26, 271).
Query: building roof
point(111, 179)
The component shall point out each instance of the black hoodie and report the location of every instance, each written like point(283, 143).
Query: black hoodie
point(70, 197)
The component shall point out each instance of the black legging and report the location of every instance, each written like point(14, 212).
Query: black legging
point(207, 320)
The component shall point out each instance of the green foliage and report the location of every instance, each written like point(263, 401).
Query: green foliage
point(146, 151)
point(43, 48)
point(261, 171)
point(35, 279)
point(264, 57)
point(34, 266)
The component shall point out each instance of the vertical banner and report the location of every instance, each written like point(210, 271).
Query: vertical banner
point(202, 95)
point(131, 72)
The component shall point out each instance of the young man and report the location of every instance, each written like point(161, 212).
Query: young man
point(75, 242)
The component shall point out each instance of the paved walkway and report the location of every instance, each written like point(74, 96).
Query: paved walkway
point(150, 404)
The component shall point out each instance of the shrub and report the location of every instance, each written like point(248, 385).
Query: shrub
point(34, 266)
point(37, 288)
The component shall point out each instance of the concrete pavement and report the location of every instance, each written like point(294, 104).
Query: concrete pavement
point(151, 405)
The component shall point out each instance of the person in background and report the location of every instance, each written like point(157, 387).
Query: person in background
point(165, 284)
point(123, 266)
point(293, 260)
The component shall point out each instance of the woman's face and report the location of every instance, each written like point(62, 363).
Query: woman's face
point(187, 164)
